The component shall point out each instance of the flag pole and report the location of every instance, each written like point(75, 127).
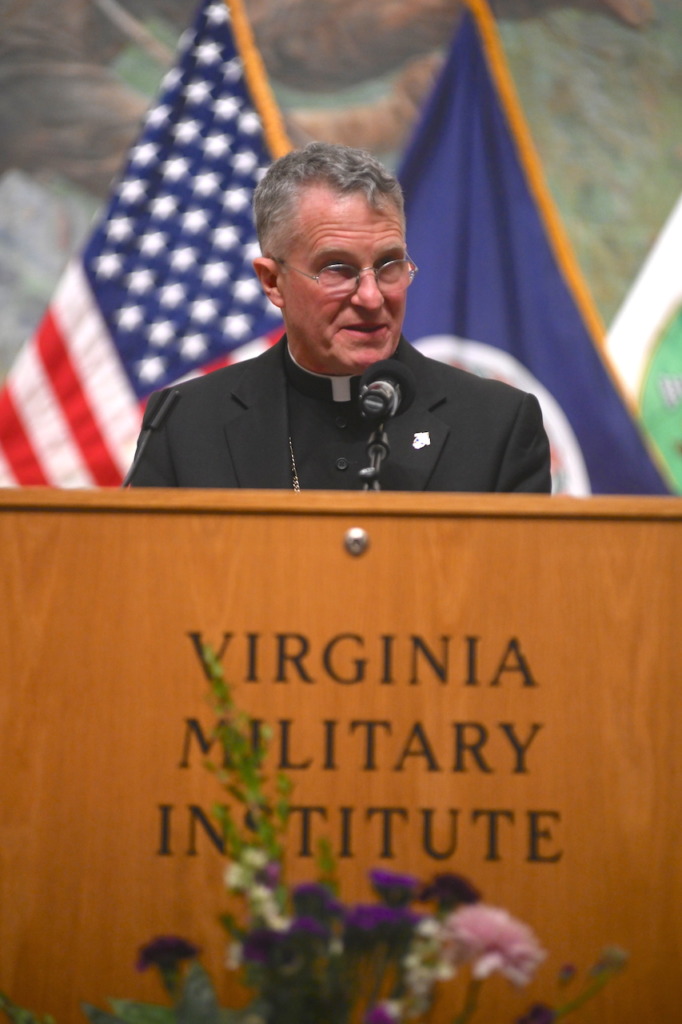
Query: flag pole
point(257, 80)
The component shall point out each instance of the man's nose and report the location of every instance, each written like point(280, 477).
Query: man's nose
point(368, 292)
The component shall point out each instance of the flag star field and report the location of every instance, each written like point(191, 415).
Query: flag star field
point(171, 261)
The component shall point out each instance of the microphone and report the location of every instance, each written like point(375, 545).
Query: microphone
point(386, 388)
point(158, 407)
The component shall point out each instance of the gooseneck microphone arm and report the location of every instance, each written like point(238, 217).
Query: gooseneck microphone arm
point(378, 449)
point(158, 408)
point(386, 389)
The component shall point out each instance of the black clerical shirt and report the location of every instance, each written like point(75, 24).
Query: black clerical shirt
point(328, 433)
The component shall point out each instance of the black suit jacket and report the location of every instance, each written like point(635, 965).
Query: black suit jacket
point(230, 429)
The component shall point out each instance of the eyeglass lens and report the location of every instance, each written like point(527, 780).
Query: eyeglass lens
point(344, 277)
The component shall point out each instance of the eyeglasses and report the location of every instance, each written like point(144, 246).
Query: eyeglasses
point(341, 279)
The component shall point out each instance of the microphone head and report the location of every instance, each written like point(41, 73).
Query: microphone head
point(386, 389)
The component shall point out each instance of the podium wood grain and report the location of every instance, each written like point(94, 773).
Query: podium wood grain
point(491, 688)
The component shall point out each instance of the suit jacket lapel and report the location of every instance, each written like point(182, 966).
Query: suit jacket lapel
point(257, 426)
point(416, 440)
point(416, 436)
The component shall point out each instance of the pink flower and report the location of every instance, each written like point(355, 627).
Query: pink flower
point(492, 940)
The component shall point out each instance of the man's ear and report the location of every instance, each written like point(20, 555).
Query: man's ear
point(268, 272)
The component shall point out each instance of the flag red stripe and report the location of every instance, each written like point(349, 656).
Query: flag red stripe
point(17, 447)
point(66, 384)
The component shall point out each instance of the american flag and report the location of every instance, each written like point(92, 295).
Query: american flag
point(164, 288)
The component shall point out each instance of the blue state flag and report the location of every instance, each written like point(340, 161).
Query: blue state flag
point(498, 291)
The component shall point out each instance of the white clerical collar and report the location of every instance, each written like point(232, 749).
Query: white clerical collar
point(341, 389)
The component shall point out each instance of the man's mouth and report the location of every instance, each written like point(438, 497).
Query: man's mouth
point(365, 328)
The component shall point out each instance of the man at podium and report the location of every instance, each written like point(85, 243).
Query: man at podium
point(342, 401)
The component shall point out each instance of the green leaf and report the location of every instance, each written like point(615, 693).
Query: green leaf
point(97, 1016)
point(18, 1015)
point(198, 1003)
point(142, 1013)
point(257, 1012)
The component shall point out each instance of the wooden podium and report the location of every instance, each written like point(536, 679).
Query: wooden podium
point(480, 684)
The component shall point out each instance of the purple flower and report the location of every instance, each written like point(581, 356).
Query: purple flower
point(380, 1014)
point(270, 875)
point(166, 952)
point(308, 926)
point(284, 951)
point(259, 944)
point(367, 924)
point(539, 1013)
point(313, 900)
point(449, 891)
point(394, 889)
point(368, 917)
point(492, 940)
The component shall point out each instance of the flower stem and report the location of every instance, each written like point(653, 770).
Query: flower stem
point(612, 961)
point(379, 974)
point(583, 997)
point(470, 1002)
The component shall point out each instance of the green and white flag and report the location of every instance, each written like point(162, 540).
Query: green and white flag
point(645, 345)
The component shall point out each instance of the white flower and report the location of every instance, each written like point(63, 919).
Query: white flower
point(428, 927)
point(279, 922)
point(424, 965)
point(236, 877)
point(254, 858)
point(233, 956)
point(444, 972)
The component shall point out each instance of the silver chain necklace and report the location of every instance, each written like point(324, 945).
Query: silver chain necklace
point(294, 473)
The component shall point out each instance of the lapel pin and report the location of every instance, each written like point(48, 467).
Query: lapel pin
point(421, 439)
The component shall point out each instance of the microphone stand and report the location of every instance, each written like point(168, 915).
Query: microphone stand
point(378, 449)
point(386, 388)
point(158, 407)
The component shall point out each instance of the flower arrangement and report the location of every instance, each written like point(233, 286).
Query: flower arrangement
point(310, 959)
